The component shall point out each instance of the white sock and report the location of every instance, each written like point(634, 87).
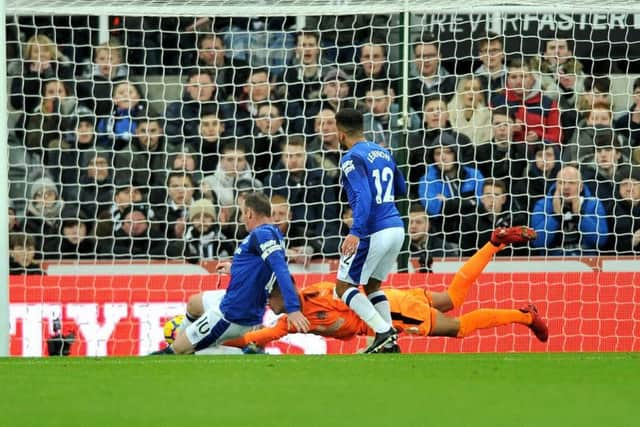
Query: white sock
point(363, 308)
point(188, 319)
point(381, 304)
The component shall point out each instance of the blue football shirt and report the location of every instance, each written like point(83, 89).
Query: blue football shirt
point(372, 181)
point(257, 264)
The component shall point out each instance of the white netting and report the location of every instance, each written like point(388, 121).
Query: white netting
point(139, 129)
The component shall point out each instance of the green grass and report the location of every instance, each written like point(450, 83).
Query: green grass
point(540, 390)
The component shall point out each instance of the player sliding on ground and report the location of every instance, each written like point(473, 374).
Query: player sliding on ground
point(415, 311)
point(257, 265)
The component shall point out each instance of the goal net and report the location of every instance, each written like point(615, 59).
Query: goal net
point(135, 130)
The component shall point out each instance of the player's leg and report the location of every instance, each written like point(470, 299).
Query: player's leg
point(471, 270)
point(194, 310)
point(465, 325)
point(383, 254)
point(210, 329)
point(199, 304)
point(441, 325)
point(347, 282)
point(378, 298)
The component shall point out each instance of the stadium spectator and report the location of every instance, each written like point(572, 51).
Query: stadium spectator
point(423, 243)
point(561, 72)
point(115, 132)
point(336, 90)
point(538, 115)
point(300, 248)
point(24, 167)
point(324, 148)
point(493, 72)
point(124, 195)
point(51, 119)
point(261, 41)
point(14, 224)
point(78, 147)
point(563, 80)
point(96, 85)
point(436, 125)
point(43, 217)
point(145, 158)
point(268, 138)
point(231, 73)
point(543, 165)
point(337, 94)
point(95, 189)
point(77, 241)
point(385, 117)
point(230, 217)
point(183, 117)
point(136, 237)
point(211, 135)
point(628, 124)
point(491, 213)
point(599, 170)
point(468, 112)
point(233, 166)
point(312, 194)
point(186, 160)
point(569, 220)
point(431, 77)
point(596, 124)
point(257, 90)
point(502, 158)
point(373, 70)
point(340, 34)
point(42, 62)
point(597, 90)
point(203, 239)
point(173, 215)
point(302, 79)
point(46, 127)
point(22, 255)
point(449, 190)
point(627, 211)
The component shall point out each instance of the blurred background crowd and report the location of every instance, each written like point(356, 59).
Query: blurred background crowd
point(142, 146)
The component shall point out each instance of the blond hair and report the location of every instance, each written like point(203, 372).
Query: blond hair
point(40, 41)
point(112, 46)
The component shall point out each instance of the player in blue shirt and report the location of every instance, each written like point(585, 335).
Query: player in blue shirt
point(257, 264)
point(372, 180)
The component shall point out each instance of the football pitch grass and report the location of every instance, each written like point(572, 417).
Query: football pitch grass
point(542, 390)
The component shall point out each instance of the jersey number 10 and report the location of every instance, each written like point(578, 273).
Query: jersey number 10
point(386, 178)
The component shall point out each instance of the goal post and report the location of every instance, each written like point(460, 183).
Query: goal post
point(4, 194)
point(162, 45)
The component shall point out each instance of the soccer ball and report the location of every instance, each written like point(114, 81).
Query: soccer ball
point(170, 328)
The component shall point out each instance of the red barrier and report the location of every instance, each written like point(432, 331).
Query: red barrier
point(123, 315)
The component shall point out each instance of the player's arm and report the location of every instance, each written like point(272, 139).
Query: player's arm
point(273, 254)
point(262, 337)
point(355, 172)
point(399, 183)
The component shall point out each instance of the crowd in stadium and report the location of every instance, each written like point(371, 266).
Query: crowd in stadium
point(97, 172)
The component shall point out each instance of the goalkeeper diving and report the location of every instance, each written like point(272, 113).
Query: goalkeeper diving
point(414, 311)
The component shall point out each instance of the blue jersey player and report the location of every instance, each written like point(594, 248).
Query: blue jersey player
point(257, 264)
point(372, 181)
